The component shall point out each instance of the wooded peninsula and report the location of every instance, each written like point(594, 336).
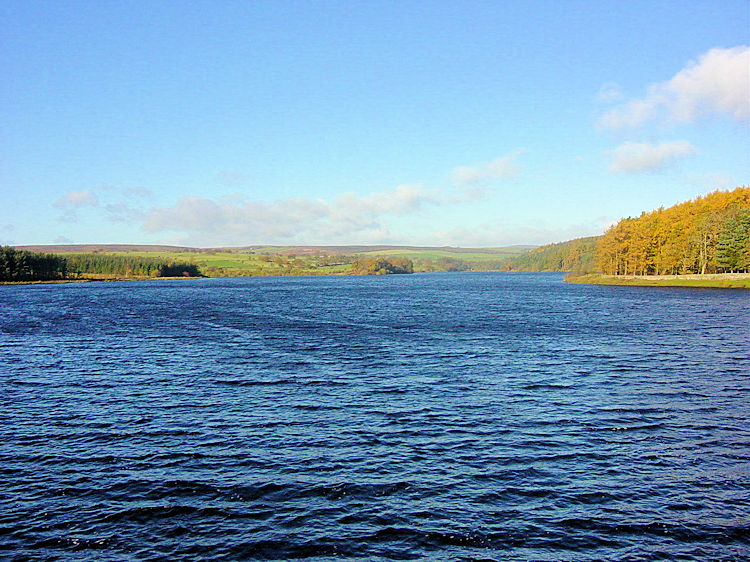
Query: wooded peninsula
point(706, 236)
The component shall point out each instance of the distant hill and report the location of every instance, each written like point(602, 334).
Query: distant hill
point(296, 260)
point(573, 256)
point(95, 248)
point(275, 250)
point(365, 249)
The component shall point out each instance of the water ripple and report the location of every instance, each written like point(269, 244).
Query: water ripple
point(442, 417)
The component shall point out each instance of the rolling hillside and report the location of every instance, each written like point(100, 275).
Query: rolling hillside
point(298, 260)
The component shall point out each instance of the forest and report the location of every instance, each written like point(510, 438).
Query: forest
point(129, 266)
point(382, 266)
point(21, 265)
point(709, 234)
point(575, 256)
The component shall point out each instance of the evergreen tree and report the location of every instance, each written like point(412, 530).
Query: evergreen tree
point(732, 245)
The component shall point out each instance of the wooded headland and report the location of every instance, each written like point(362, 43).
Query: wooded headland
point(707, 235)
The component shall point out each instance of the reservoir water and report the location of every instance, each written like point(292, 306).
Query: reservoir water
point(442, 416)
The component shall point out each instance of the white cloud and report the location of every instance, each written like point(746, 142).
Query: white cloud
point(72, 201)
point(137, 192)
point(122, 212)
point(63, 240)
point(77, 199)
point(237, 221)
point(502, 168)
point(609, 93)
point(719, 82)
point(633, 157)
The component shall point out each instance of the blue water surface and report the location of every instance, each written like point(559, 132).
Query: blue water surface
point(468, 416)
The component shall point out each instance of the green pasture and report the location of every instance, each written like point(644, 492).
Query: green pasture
point(488, 256)
point(289, 260)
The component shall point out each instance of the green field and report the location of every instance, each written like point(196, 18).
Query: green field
point(231, 264)
point(302, 260)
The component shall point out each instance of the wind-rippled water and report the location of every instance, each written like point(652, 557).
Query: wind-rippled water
point(443, 417)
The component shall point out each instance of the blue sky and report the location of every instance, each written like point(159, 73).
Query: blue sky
point(430, 123)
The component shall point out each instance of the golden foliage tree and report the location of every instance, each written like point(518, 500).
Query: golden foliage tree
point(683, 238)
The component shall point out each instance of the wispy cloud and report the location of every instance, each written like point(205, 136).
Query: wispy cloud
point(137, 192)
point(62, 240)
point(72, 201)
point(719, 82)
point(502, 168)
point(122, 212)
point(6, 229)
point(77, 199)
point(609, 93)
point(635, 157)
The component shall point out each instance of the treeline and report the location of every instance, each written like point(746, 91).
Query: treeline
point(710, 234)
point(382, 266)
point(20, 265)
point(129, 266)
point(446, 264)
point(577, 256)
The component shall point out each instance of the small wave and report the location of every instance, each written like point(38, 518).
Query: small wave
point(335, 491)
point(546, 386)
point(625, 428)
point(73, 543)
point(686, 533)
point(144, 514)
point(244, 382)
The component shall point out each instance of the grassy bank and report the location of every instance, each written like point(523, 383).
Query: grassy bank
point(715, 280)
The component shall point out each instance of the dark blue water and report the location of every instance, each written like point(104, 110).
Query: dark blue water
point(443, 417)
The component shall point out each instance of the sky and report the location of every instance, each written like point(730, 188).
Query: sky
point(453, 123)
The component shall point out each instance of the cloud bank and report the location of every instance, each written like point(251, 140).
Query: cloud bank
point(238, 219)
point(292, 221)
point(635, 157)
point(718, 83)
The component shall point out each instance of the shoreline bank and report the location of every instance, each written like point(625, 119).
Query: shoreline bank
point(709, 280)
point(103, 279)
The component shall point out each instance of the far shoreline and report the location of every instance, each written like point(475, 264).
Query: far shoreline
point(708, 280)
point(95, 280)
